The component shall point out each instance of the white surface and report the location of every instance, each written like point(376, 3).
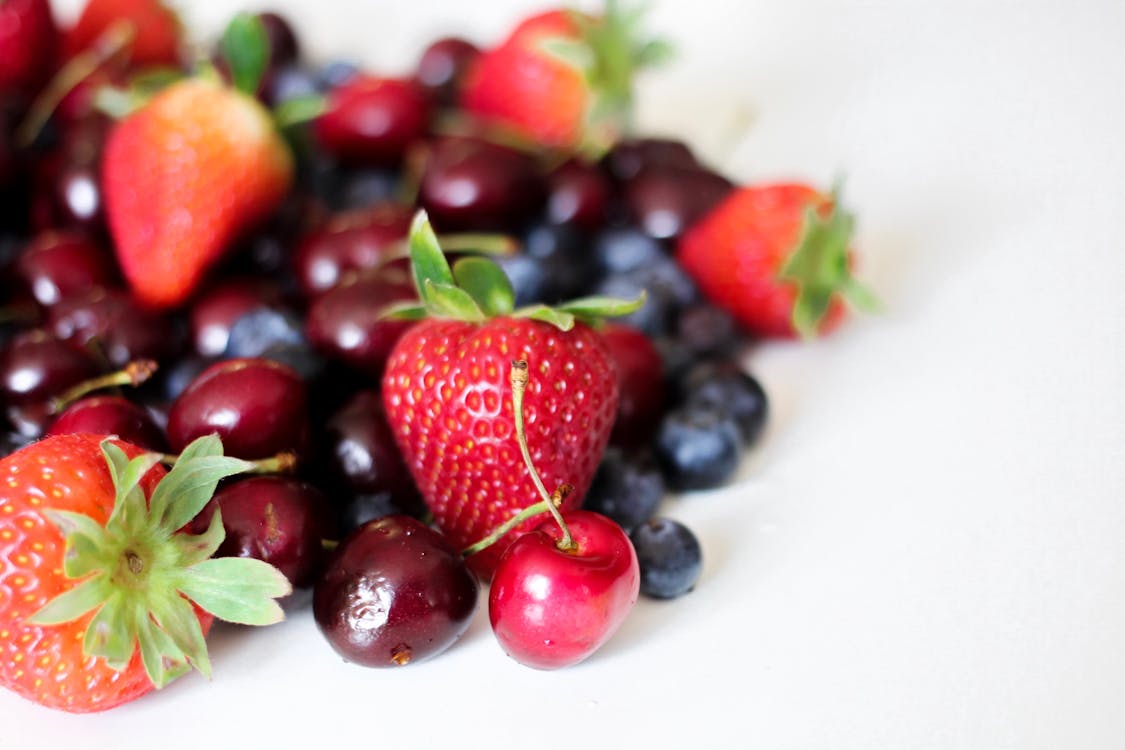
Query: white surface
point(926, 551)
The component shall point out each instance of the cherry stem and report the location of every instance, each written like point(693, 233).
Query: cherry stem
point(282, 463)
point(519, 378)
point(134, 373)
point(113, 40)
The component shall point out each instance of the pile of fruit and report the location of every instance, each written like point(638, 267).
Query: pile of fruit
point(395, 337)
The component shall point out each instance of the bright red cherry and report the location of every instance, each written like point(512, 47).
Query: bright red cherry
point(351, 241)
point(442, 67)
point(111, 321)
point(345, 324)
point(552, 607)
point(111, 415)
point(55, 265)
point(216, 310)
point(373, 120)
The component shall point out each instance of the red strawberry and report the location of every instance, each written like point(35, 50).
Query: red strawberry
point(28, 41)
point(89, 571)
point(776, 258)
point(157, 32)
point(447, 395)
point(185, 175)
point(562, 78)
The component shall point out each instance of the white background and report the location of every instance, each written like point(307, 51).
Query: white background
point(927, 549)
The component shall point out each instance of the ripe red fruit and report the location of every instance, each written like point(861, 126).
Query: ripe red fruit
point(85, 528)
point(110, 415)
point(28, 41)
point(447, 393)
point(551, 607)
point(640, 378)
point(157, 32)
point(776, 258)
point(562, 79)
point(372, 120)
point(185, 175)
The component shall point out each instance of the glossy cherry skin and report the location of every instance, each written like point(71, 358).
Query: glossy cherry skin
point(256, 406)
point(470, 184)
point(394, 593)
point(345, 324)
point(442, 68)
point(628, 157)
point(56, 265)
point(280, 520)
point(351, 241)
point(216, 310)
point(665, 201)
point(550, 608)
point(578, 194)
point(373, 120)
point(111, 415)
point(109, 319)
point(35, 367)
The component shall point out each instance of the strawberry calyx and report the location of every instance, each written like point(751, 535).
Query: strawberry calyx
point(819, 266)
point(608, 50)
point(475, 289)
point(141, 576)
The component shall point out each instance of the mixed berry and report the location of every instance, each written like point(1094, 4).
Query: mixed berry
point(463, 327)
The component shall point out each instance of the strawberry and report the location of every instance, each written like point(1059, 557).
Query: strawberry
point(156, 33)
point(28, 41)
point(183, 176)
point(447, 395)
point(101, 598)
point(776, 258)
point(562, 79)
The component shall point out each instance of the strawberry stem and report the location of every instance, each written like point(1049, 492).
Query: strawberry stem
point(134, 373)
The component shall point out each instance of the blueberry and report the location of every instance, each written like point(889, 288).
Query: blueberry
point(670, 558)
point(337, 73)
point(528, 277)
point(706, 330)
point(363, 187)
point(564, 253)
point(626, 249)
point(724, 385)
point(263, 328)
point(667, 288)
point(627, 488)
point(698, 447)
point(292, 82)
point(176, 377)
point(301, 357)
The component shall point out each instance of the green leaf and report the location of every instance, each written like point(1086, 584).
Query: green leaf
point(487, 284)
point(403, 311)
point(573, 52)
point(236, 589)
point(176, 617)
point(195, 548)
point(111, 634)
point(246, 49)
point(564, 321)
point(89, 546)
point(188, 487)
point(449, 301)
point(163, 659)
point(299, 110)
point(73, 603)
point(654, 53)
point(426, 258)
point(602, 307)
point(117, 462)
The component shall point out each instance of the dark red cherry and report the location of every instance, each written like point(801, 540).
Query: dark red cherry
point(345, 324)
point(394, 593)
point(372, 120)
point(109, 320)
point(578, 194)
point(55, 265)
point(217, 308)
point(282, 40)
point(665, 201)
point(34, 368)
point(628, 157)
point(280, 520)
point(442, 67)
point(111, 415)
point(640, 378)
point(256, 406)
point(470, 184)
point(351, 241)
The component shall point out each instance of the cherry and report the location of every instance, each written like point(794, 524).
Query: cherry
point(215, 311)
point(111, 415)
point(351, 241)
point(280, 520)
point(579, 194)
point(394, 593)
point(35, 367)
point(111, 321)
point(471, 184)
point(628, 157)
point(372, 120)
point(256, 406)
point(442, 68)
point(665, 201)
point(640, 404)
point(345, 324)
point(282, 41)
point(552, 607)
point(55, 265)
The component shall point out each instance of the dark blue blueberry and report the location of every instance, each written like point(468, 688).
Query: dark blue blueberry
point(565, 255)
point(528, 277)
point(722, 384)
point(301, 357)
point(626, 249)
point(264, 328)
point(670, 558)
point(363, 187)
point(706, 331)
point(627, 488)
point(655, 316)
point(363, 508)
point(698, 447)
point(177, 376)
point(292, 82)
point(337, 73)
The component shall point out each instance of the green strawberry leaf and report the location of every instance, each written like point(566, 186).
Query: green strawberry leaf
point(487, 284)
point(108, 635)
point(178, 620)
point(602, 307)
point(190, 484)
point(246, 49)
point(427, 261)
point(195, 548)
point(449, 301)
point(299, 110)
point(564, 321)
point(75, 602)
point(404, 311)
point(236, 589)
